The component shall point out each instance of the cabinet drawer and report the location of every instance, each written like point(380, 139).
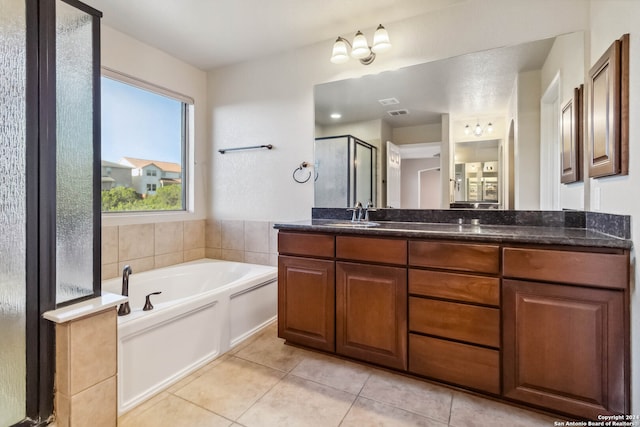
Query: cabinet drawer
point(461, 287)
point(581, 268)
point(456, 363)
point(455, 256)
point(473, 324)
point(310, 244)
point(387, 251)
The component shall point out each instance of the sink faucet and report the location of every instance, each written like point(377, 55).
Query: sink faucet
point(124, 308)
point(369, 208)
point(357, 212)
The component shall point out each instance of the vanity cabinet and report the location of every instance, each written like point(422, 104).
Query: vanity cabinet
point(565, 330)
point(306, 290)
point(545, 326)
point(371, 300)
point(454, 313)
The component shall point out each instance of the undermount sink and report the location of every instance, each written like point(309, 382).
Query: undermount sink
point(354, 224)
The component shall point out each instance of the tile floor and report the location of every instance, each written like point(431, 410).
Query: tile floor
point(264, 383)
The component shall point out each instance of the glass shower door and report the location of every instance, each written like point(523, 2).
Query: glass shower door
point(12, 211)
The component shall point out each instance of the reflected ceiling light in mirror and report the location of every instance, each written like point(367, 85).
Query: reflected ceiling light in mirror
point(360, 48)
point(478, 130)
point(336, 116)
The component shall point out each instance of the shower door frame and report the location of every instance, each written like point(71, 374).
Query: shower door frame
point(40, 184)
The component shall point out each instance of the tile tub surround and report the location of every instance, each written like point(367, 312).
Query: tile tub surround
point(149, 246)
point(156, 245)
point(264, 382)
point(614, 225)
point(254, 242)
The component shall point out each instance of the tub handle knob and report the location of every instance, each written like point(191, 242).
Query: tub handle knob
point(147, 304)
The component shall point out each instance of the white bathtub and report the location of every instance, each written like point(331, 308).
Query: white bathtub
point(206, 308)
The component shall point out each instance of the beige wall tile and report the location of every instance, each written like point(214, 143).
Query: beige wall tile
point(63, 361)
point(233, 235)
point(194, 234)
point(256, 236)
point(109, 245)
point(95, 406)
point(231, 255)
point(273, 260)
point(213, 253)
point(256, 258)
point(63, 410)
point(135, 241)
point(109, 271)
point(138, 265)
point(92, 350)
point(213, 234)
point(193, 254)
point(165, 260)
point(169, 237)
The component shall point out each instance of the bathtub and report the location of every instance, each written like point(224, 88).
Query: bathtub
point(206, 308)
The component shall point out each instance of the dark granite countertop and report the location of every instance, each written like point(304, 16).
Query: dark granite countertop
point(538, 234)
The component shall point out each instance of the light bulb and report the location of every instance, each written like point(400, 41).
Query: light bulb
point(381, 41)
point(339, 54)
point(360, 47)
point(489, 127)
point(467, 131)
point(478, 130)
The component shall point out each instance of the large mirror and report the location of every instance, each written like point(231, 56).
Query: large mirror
point(477, 130)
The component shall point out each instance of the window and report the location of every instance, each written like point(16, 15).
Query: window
point(144, 137)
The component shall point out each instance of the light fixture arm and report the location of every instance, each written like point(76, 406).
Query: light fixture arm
point(364, 61)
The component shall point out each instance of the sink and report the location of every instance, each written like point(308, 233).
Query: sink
point(355, 224)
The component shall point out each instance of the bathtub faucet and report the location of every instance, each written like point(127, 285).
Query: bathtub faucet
point(124, 308)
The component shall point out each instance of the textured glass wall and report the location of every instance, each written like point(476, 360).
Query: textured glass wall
point(74, 145)
point(12, 211)
point(330, 190)
point(364, 175)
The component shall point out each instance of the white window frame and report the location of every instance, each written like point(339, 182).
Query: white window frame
point(187, 159)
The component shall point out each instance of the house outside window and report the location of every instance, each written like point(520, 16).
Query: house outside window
point(145, 133)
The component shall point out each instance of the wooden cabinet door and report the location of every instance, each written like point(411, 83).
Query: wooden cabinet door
point(306, 302)
point(564, 347)
point(371, 313)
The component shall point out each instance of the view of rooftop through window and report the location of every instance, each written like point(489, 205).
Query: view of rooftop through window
point(143, 141)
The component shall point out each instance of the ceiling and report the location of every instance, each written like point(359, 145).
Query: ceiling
point(215, 33)
point(475, 85)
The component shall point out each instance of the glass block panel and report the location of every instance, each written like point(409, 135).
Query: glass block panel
point(74, 146)
point(12, 211)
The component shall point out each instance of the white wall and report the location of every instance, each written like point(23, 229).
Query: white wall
point(527, 155)
point(129, 56)
point(610, 20)
point(270, 100)
point(566, 58)
point(417, 134)
point(410, 186)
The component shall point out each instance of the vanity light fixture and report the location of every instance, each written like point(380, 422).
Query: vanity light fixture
point(360, 48)
point(477, 129)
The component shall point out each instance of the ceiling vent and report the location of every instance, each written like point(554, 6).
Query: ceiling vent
point(396, 113)
point(389, 101)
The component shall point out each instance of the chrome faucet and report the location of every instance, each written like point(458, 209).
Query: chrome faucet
point(369, 208)
point(357, 212)
point(124, 308)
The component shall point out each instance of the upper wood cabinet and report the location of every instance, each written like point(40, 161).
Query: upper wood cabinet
point(571, 122)
point(608, 119)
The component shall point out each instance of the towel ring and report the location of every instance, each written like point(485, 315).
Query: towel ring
point(296, 173)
